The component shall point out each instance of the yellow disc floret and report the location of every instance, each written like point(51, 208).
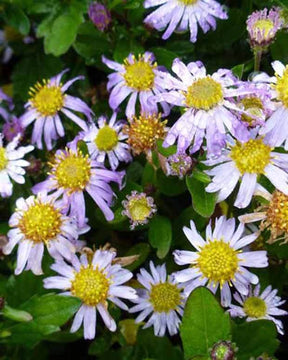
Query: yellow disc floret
point(251, 157)
point(139, 208)
point(204, 94)
point(144, 131)
point(264, 26)
point(72, 170)
point(218, 262)
point(47, 99)
point(90, 285)
point(255, 307)
point(139, 74)
point(188, 2)
point(254, 106)
point(165, 297)
point(3, 159)
point(41, 222)
point(106, 139)
point(282, 87)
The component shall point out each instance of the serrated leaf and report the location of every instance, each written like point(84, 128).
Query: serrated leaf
point(202, 201)
point(160, 235)
point(204, 323)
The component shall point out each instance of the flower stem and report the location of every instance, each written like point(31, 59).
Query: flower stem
point(257, 59)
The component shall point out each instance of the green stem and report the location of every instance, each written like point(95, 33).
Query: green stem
point(257, 59)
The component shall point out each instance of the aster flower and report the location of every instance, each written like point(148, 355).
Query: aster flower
point(5, 99)
point(143, 132)
point(209, 107)
point(94, 283)
point(257, 104)
point(11, 165)
point(139, 208)
point(71, 174)
point(12, 128)
point(219, 259)
point(246, 161)
point(99, 15)
point(181, 15)
point(136, 77)
point(178, 165)
point(275, 128)
point(256, 306)
point(36, 223)
point(47, 101)
point(273, 215)
point(106, 139)
point(262, 27)
point(223, 350)
point(162, 297)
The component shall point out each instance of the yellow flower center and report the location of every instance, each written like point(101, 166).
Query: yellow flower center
point(282, 87)
point(251, 157)
point(106, 139)
point(188, 2)
point(144, 131)
point(204, 94)
point(41, 222)
point(218, 262)
point(46, 99)
point(277, 212)
point(139, 208)
point(72, 170)
point(254, 106)
point(255, 307)
point(139, 75)
point(264, 26)
point(165, 297)
point(3, 159)
point(90, 285)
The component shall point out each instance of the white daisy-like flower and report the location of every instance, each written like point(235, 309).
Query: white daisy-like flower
point(209, 107)
point(163, 297)
point(93, 283)
point(36, 223)
point(256, 306)
point(105, 139)
point(276, 128)
point(181, 15)
point(135, 78)
point(219, 259)
point(246, 161)
point(11, 164)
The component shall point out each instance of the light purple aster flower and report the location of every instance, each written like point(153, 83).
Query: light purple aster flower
point(39, 222)
point(12, 128)
point(209, 107)
point(178, 165)
point(183, 15)
point(219, 259)
point(71, 174)
point(99, 15)
point(135, 78)
point(5, 99)
point(256, 306)
point(105, 139)
point(276, 129)
point(93, 283)
point(11, 165)
point(47, 101)
point(262, 27)
point(246, 161)
point(163, 297)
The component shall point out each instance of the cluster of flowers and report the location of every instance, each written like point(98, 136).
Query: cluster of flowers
point(238, 122)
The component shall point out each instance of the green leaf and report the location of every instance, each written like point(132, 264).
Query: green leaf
point(279, 47)
point(204, 323)
point(202, 201)
point(141, 249)
point(63, 32)
point(166, 151)
point(164, 57)
point(15, 314)
point(263, 339)
point(16, 18)
point(238, 70)
point(170, 185)
point(160, 235)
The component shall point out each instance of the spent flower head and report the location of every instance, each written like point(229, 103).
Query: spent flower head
point(99, 15)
